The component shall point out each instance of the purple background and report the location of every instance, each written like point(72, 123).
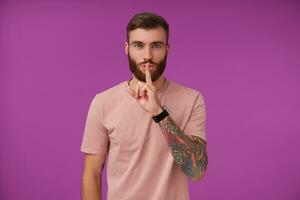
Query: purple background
point(243, 57)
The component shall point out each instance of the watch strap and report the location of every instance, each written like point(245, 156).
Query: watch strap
point(161, 115)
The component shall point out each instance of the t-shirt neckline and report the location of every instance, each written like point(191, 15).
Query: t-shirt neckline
point(159, 92)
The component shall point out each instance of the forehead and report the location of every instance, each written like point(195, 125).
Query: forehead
point(148, 35)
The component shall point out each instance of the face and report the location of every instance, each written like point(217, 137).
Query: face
point(147, 46)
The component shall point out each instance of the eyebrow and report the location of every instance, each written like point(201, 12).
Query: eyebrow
point(155, 42)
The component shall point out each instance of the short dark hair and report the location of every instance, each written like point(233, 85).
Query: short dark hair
point(147, 20)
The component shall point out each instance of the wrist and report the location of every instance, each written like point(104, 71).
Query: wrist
point(157, 111)
point(162, 115)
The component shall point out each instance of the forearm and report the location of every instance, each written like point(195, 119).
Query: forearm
point(91, 187)
point(189, 151)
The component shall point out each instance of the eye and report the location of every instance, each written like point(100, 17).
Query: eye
point(157, 46)
point(137, 45)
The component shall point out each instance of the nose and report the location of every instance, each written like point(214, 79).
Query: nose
point(148, 54)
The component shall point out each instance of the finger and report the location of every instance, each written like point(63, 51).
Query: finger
point(137, 90)
point(148, 75)
point(148, 89)
point(142, 90)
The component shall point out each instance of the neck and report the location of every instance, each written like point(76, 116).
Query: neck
point(157, 84)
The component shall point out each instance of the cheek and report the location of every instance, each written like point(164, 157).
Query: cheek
point(158, 56)
point(136, 55)
point(160, 52)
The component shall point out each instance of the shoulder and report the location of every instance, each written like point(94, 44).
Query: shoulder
point(183, 92)
point(110, 94)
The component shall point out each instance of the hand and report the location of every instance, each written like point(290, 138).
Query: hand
point(145, 94)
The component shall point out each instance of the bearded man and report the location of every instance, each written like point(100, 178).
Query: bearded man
point(150, 129)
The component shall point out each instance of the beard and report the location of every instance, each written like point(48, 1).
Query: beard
point(159, 68)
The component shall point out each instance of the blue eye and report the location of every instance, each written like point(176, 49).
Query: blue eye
point(157, 46)
point(138, 45)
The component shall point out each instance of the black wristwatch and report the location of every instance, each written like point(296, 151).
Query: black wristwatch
point(161, 115)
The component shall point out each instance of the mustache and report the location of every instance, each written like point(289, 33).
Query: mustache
point(148, 61)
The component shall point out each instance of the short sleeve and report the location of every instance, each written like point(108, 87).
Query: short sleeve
point(196, 122)
point(95, 138)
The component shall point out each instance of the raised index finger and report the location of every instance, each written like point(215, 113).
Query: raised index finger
point(148, 75)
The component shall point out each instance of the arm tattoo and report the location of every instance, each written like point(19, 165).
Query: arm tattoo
point(189, 151)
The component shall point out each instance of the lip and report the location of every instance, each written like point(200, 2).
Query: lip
point(150, 66)
point(143, 68)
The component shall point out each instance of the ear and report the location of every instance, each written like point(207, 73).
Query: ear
point(126, 46)
point(168, 47)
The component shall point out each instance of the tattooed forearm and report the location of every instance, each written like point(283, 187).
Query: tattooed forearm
point(189, 151)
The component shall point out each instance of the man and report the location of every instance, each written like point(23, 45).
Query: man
point(151, 129)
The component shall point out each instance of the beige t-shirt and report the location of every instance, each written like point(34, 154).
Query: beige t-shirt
point(139, 162)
